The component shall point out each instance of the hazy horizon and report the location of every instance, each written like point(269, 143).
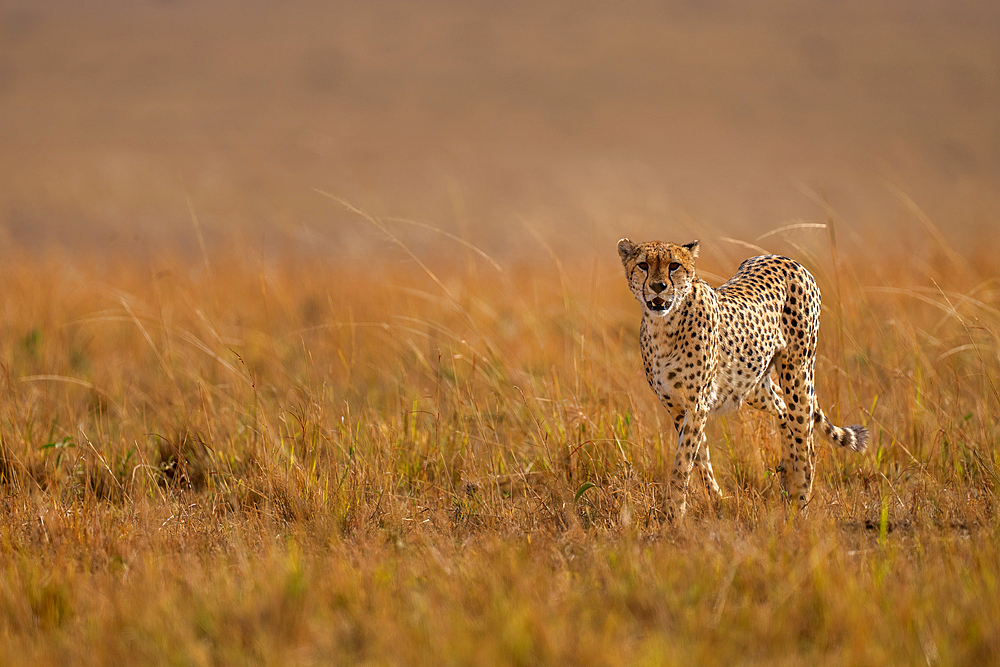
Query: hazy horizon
point(584, 122)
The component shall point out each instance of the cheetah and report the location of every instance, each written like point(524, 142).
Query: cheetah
point(708, 351)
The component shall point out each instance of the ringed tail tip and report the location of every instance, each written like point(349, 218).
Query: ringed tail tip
point(860, 439)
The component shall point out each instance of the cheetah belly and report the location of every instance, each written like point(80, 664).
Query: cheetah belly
point(742, 367)
point(733, 382)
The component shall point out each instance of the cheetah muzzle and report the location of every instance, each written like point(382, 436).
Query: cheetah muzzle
point(709, 351)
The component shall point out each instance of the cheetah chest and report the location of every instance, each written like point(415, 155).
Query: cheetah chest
point(679, 366)
point(717, 366)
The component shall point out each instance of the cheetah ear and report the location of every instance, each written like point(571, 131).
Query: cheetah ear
point(625, 248)
point(692, 247)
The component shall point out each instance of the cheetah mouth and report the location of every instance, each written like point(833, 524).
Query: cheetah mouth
point(656, 303)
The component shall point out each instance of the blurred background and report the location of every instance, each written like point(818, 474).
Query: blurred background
point(121, 121)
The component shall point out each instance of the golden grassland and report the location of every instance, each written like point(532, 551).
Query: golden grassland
point(448, 460)
point(277, 437)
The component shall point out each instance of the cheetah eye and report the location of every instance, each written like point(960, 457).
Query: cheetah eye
point(673, 266)
point(643, 266)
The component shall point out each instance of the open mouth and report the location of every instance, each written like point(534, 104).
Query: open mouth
point(656, 303)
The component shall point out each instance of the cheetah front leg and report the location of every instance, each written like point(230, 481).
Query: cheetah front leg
point(702, 460)
point(690, 438)
point(704, 463)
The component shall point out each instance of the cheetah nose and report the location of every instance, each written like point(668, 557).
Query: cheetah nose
point(657, 287)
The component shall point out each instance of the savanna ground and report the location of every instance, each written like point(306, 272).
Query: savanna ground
point(244, 422)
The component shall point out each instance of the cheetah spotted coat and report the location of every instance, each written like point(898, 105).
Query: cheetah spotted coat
point(708, 351)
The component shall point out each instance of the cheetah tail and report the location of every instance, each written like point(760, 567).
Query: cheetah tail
point(852, 437)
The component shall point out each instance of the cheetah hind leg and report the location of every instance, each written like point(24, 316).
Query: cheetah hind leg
point(766, 396)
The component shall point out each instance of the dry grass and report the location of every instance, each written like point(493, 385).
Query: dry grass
point(249, 461)
point(273, 437)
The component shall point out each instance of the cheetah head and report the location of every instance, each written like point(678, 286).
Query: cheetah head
point(659, 274)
